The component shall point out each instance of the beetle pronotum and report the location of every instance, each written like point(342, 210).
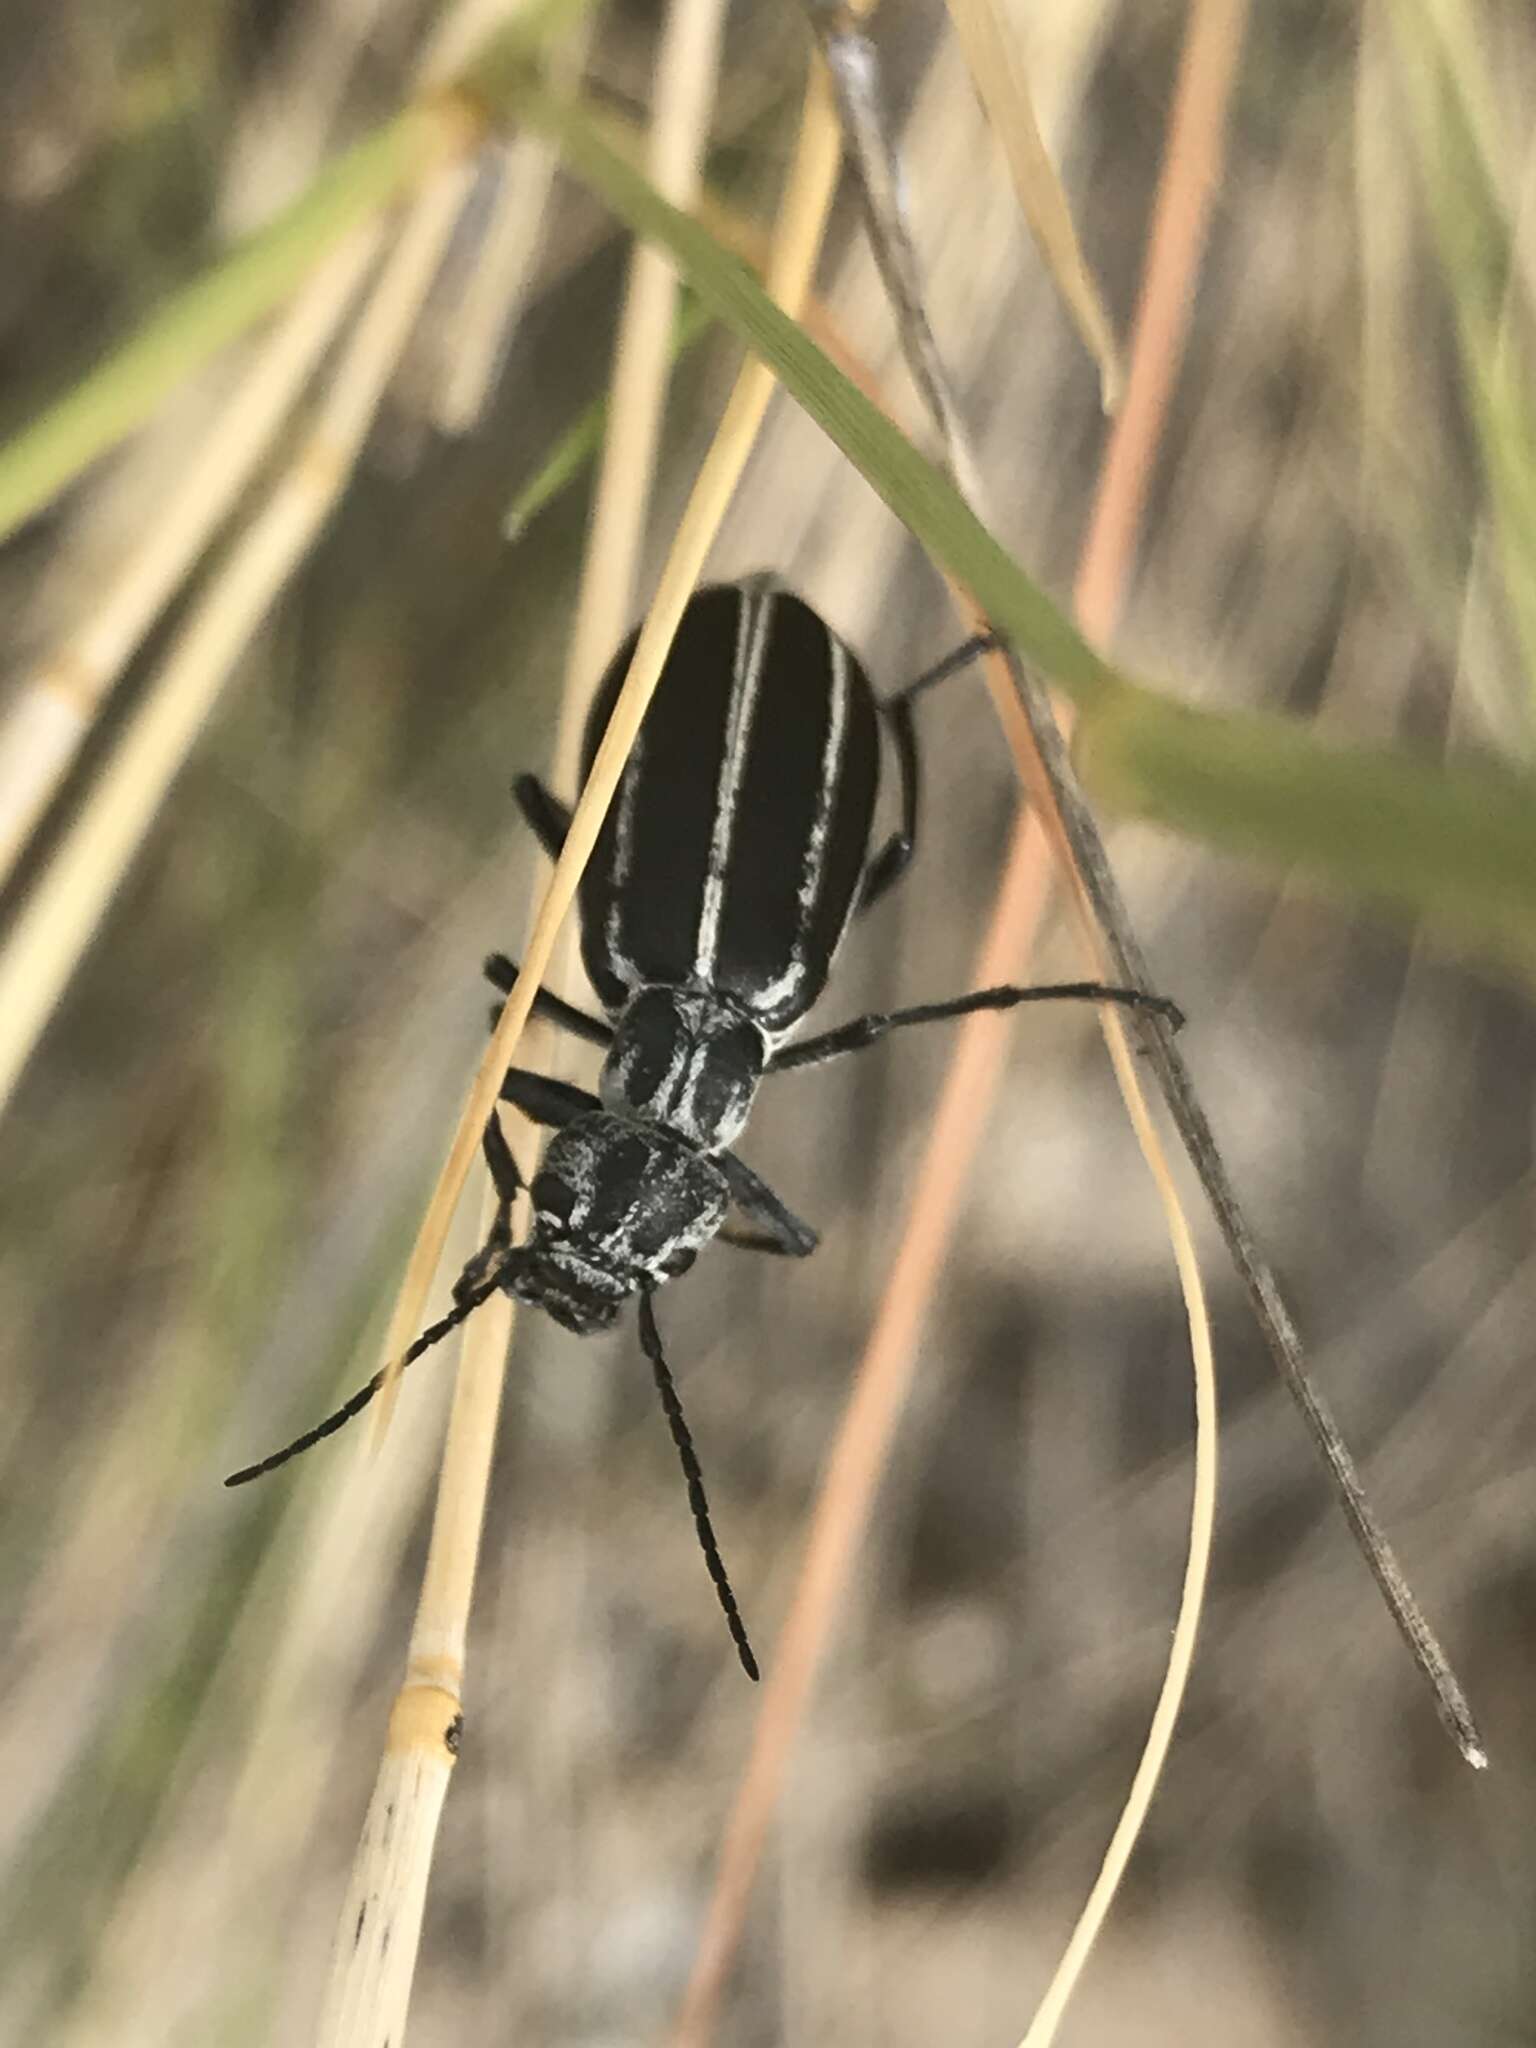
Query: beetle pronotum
point(736, 851)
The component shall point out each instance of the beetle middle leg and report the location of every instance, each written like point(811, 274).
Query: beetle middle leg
point(859, 1032)
point(547, 1101)
point(501, 972)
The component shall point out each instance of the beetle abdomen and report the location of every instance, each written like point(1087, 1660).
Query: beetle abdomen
point(733, 852)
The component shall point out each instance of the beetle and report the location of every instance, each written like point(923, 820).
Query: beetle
point(737, 849)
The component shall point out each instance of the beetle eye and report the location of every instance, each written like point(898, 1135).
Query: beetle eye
point(552, 1196)
point(678, 1261)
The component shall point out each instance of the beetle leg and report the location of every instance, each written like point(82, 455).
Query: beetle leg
point(547, 1101)
point(862, 1031)
point(506, 1177)
point(761, 1241)
point(508, 1183)
point(893, 859)
point(782, 1230)
point(501, 972)
point(548, 819)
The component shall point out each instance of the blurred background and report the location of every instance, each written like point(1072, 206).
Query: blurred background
point(219, 1151)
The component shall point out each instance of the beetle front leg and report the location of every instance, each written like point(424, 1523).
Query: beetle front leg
point(781, 1229)
point(508, 1183)
point(550, 1102)
point(501, 973)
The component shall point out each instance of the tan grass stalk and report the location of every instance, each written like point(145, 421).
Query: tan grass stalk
point(370, 1987)
point(886, 1369)
point(996, 65)
point(461, 34)
point(1186, 192)
point(808, 195)
point(687, 69)
point(1196, 134)
point(481, 322)
point(49, 717)
point(374, 1961)
point(685, 79)
point(373, 1969)
point(64, 909)
point(56, 706)
point(1048, 2014)
point(793, 258)
point(1181, 215)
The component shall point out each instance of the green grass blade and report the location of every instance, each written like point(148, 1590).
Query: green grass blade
point(256, 276)
point(908, 481)
point(208, 314)
point(1460, 846)
point(1364, 821)
point(1453, 120)
point(580, 442)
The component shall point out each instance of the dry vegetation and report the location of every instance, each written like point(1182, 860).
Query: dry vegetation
point(220, 1147)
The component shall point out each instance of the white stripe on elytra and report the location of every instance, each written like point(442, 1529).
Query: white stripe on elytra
point(622, 964)
point(746, 673)
point(832, 751)
point(665, 1090)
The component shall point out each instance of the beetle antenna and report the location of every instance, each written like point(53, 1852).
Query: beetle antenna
point(474, 1298)
point(650, 1341)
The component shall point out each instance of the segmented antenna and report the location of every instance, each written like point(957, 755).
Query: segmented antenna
point(460, 1312)
point(650, 1341)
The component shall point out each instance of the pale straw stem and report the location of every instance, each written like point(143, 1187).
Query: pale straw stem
point(56, 706)
point(59, 917)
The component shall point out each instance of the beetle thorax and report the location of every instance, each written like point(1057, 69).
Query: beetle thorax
point(686, 1059)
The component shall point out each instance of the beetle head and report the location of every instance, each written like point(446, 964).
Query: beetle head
point(617, 1207)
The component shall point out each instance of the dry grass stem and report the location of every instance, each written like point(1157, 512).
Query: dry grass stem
point(63, 910)
point(481, 322)
point(424, 1727)
point(997, 71)
point(859, 1450)
point(56, 706)
point(223, 1140)
point(1035, 764)
point(1052, 2007)
point(1212, 45)
point(374, 1960)
point(380, 1925)
point(806, 200)
point(885, 1372)
point(686, 75)
point(1197, 132)
point(850, 59)
point(1181, 211)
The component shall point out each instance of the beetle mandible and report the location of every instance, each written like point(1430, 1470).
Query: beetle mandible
point(736, 851)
